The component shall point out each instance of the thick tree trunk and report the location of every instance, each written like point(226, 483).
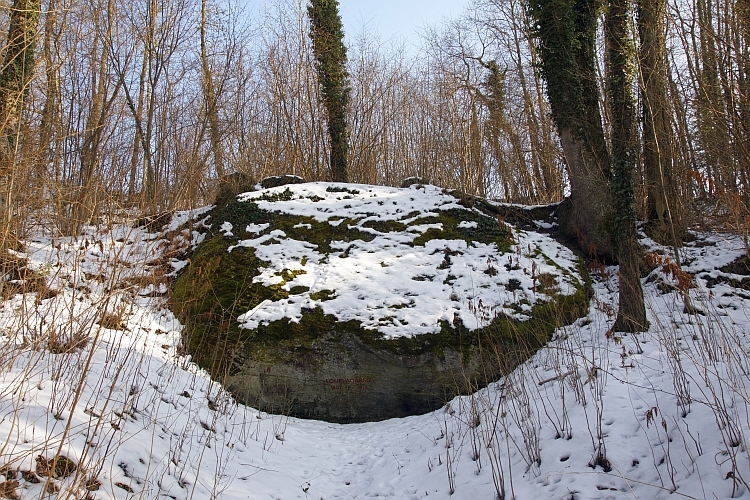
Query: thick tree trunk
point(327, 36)
point(339, 145)
point(567, 36)
point(583, 216)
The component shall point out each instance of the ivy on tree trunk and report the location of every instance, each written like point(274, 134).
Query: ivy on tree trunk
point(15, 78)
point(600, 211)
point(327, 34)
point(631, 316)
point(566, 34)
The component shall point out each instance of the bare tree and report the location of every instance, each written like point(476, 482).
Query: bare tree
point(664, 207)
point(209, 95)
point(103, 95)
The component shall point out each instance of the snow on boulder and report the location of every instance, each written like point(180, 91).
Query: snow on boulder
point(355, 303)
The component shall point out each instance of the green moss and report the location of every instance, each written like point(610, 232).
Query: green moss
point(323, 295)
point(301, 228)
point(488, 230)
point(209, 296)
point(282, 340)
point(288, 275)
point(240, 215)
point(341, 189)
point(320, 234)
point(385, 226)
point(285, 195)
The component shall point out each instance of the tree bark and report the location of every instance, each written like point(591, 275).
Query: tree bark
point(582, 217)
point(631, 316)
point(15, 78)
point(209, 95)
point(566, 33)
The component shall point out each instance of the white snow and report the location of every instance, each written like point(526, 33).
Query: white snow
point(226, 228)
point(386, 284)
point(256, 228)
point(668, 407)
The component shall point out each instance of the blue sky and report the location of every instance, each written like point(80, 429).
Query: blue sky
point(397, 18)
point(390, 18)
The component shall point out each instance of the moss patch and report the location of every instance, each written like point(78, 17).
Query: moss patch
point(210, 295)
point(486, 229)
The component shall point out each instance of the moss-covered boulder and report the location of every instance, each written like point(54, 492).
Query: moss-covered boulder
point(353, 303)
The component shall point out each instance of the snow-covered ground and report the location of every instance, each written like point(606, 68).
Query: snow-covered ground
point(94, 393)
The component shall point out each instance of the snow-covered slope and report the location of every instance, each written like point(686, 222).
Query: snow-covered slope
point(91, 375)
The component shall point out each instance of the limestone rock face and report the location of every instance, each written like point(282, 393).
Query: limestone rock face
point(357, 303)
point(343, 380)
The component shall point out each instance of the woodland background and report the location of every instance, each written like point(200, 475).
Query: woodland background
point(146, 104)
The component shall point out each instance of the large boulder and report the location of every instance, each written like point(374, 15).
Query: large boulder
point(354, 303)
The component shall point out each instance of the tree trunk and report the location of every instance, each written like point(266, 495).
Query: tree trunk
point(582, 216)
point(631, 316)
point(710, 106)
point(664, 210)
point(327, 35)
point(90, 149)
point(567, 33)
point(209, 95)
point(49, 127)
point(137, 110)
point(15, 78)
point(742, 14)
